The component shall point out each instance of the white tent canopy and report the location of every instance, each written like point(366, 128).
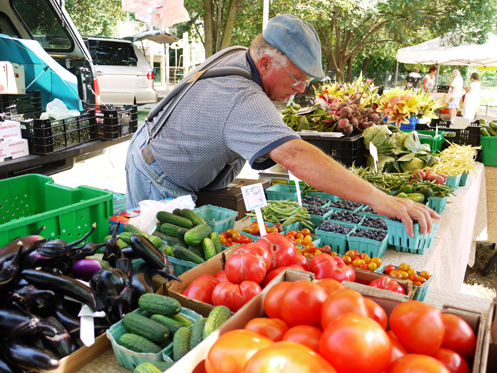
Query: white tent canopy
point(433, 53)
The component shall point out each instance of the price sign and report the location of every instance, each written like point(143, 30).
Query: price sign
point(297, 185)
point(254, 198)
point(374, 154)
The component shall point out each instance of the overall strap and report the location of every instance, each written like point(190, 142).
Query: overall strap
point(182, 87)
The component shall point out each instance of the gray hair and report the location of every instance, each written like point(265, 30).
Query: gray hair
point(261, 47)
point(416, 70)
point(456, 73)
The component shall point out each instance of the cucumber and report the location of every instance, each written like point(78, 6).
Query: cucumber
point(197, 335)
point(181, 343)
point(131, 229)
point(426, 192)
point(209, 248)
point(484, 132)
point(197, 250)
point(184, 321)
point(214, 236)
point(491, 131)
point(196, 235)
point(122, 244)
point(217, 317)
point(138, 344)
point(177, 212)
point(185, 254)
point(160, 304)
point(416, 197)
point(162, 365)
point(126, 237)
point(493, 125)
point(147, 368)
point(180, 234)
point(167, 217)
point(169, 229)
point(192, 216)
point(145, 327)
point(169, 323)
point(168, 250)
point(156, 241)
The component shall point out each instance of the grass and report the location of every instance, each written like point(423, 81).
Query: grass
point(474, 283)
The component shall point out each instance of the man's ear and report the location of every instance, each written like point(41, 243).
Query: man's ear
point(264, 64)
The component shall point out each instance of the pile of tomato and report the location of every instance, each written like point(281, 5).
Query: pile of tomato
point(406, 272)
point(322, 327)
point(231, 237)
point(354, 258)
point(253, 228)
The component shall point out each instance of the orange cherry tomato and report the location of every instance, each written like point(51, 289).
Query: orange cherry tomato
point(272, 230)
point(372, 266)
point(376, 260)
point(395, 274)
point(425, 274)
point(307, 240)
point(291, 233)
point(305, 232)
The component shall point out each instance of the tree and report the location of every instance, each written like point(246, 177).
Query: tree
point(95, 17)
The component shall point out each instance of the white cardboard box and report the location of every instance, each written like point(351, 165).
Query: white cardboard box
point(12, 79)
point(10, 130)
point(12, 149)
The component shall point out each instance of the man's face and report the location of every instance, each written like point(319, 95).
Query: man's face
point(278, 82)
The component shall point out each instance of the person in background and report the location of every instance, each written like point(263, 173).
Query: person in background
point(472, 97)
point(429, 80)
point(201, 139)
point(413, 79)
point(457, 91)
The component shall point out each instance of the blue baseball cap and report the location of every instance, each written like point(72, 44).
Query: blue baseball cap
point(298, 40)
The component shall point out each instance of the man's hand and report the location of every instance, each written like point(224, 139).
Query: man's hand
point(406, 210)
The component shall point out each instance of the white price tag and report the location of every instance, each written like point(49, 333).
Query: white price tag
point(87, 329)
point(254, 198)
point(297, 185)
point(374, 154)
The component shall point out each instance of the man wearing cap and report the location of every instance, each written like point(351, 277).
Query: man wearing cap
point(221, 115)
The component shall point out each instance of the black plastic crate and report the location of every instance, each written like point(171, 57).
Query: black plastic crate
point(46, 136)
point(29, 104)
point(346, 150)
point(114, 122)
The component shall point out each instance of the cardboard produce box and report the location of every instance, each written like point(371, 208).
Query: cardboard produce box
point(489, 350)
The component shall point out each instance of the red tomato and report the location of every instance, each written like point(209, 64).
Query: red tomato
point(233, 349)
point(397, 349)
point(282, 248)
point(271, 328)
point(201, 288)
point(387, 283)
point(306, 335)
point(389, 268)
point(296, 266)
point(270, 275)
point(418, 326)
point(272, 300)
point(415, 363)
point(458, 336)
point(245, 265)
point(260, 251)
point(356, 344)
point(329, 285)
point(340, 303)
point(327, 266)
point(221, 276)
point(287, 357)
point(302, 303)
point(377, 313)
point(301, 261)
point(243, 239)
point(452, 360)
point(234, 296)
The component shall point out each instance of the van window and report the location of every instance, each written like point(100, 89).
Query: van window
point(6, 26)
point(112, 53)
point(41, 21)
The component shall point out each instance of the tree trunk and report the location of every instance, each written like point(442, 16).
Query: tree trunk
point(365, 64)
point(209, 29)
point(349, 69)
point(230, 23)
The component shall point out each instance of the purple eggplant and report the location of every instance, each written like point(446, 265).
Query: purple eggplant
point(112, 250)
point(28, 357)
point(9, 269)
point(33, 300)
point(29, 244)
point(15, 323)
point(141, 280)
point(84, 269)
point(5, 367)
point(58, 339)
point(66, 286)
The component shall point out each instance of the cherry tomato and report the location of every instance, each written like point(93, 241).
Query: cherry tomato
point(347, 259)
point(340, 303)
point(372, 266)
point(299, 235)
point(376, 260)
point(306, 335)
point(409, 322)
point(272, 230)
point(326, 249)
point(243, 239)
point(298, 241)
point(350, 253)
point(389, 268)
point(355, 343)
point(458, 336)
point(452, 360)
point(330, 285)
point(230, 232)
point(254, 230)
point(363, 266)
point(272, 301)
point(223, 239)
point(377, 313)
point(425, 274)
point(404, 274)
point(291, 233)
point(395, 274)
point(271, 328)
point(307, 240)
point(234, 236)
point(278, 226)
point(404, 267)
point(305, 231)
point(417, 363)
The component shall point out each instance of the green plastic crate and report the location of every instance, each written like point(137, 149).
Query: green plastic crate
point(29, 202)
point(489, 150)
point(181, 266)
point(435, 142)
point(220, 219)
point(365, 245)
point(397, 236)
point(337, 241)
point(419, 291)
point(280, 192)
point(437, 203)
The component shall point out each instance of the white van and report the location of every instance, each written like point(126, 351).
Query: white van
point(124, 74)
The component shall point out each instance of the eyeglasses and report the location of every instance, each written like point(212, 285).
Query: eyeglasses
point(297, 82)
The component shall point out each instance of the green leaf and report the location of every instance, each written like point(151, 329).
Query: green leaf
point(406, 157)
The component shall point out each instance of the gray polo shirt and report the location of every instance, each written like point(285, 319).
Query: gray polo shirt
point(218, 121)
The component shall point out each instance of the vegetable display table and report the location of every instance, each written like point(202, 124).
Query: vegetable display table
point(463, 220)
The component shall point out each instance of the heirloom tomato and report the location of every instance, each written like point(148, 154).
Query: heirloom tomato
point(342, 302)
point(245, 265)
point(272, 300)
point(282, 248)
point(387, 283)
point(417, 363)
point(301, 261)
point(302, 303)
point(418, 326)
point(329, 285)
point(377, 313)
point(397, 349)
point(221, 276)
point(201, 288)
point(233, 349)
point(452, 360)
point(287, 357)
point(458, 336)
point(327, 266)
point(306, 335)
point(234, 296)
point(270, 275)
point(356, 344)
point(271, 328)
